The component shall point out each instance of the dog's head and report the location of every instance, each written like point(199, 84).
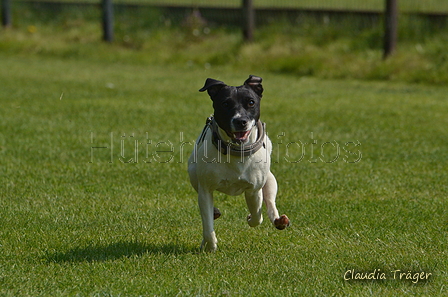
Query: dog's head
point(237, 109)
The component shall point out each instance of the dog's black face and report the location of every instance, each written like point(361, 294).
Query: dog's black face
point(237, 109)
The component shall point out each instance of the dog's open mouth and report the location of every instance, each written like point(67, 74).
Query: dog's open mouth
point(241, 137)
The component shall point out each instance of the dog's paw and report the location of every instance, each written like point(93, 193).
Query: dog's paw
point(208, 247)
point(282, 222)
point(252, 222)
point(216, 213)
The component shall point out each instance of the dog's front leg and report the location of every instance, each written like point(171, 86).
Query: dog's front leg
point(269, 195)
point(205, 200)
point(254, 201)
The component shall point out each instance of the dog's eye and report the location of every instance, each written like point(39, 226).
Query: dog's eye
point(251, 103)
point(225, 104)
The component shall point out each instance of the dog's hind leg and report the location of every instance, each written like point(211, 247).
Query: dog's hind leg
point(269, 194)
point(216, 213)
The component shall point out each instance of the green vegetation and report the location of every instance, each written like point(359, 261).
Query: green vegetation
point(77, 220)
point(337, 48)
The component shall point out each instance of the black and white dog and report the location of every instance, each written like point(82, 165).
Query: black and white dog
point(232, 155)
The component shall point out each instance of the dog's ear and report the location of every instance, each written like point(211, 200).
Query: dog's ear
point(212, 86)
point(254, 82)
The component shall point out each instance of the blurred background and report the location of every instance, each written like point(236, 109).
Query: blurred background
point(328, 39)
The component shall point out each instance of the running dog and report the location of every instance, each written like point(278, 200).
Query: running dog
point(232, 155)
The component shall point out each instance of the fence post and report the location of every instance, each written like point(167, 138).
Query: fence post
point(6, 13)
point(108, 20)
point(391, 23)
point(249, 20)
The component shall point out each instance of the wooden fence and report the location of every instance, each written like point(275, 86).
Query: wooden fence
point(247, 20)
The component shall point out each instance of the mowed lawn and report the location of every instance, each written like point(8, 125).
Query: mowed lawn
point(95, 198)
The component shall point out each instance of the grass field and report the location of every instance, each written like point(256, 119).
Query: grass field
point(80, 221)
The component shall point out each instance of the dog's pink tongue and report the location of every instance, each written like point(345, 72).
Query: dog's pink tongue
point(241, 136)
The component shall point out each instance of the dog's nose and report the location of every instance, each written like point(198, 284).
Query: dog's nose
point(240, 123)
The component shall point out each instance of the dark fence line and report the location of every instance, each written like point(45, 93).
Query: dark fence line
point(234, 16)
point(246, 17)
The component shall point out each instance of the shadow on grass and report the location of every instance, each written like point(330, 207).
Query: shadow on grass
point(117, 250)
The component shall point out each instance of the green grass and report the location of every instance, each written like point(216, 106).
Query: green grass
point(71, 227)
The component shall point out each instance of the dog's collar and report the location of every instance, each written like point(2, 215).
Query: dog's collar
point(233, 149)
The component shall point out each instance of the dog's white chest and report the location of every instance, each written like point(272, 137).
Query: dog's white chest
point(235, 186)
point(236, 178)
